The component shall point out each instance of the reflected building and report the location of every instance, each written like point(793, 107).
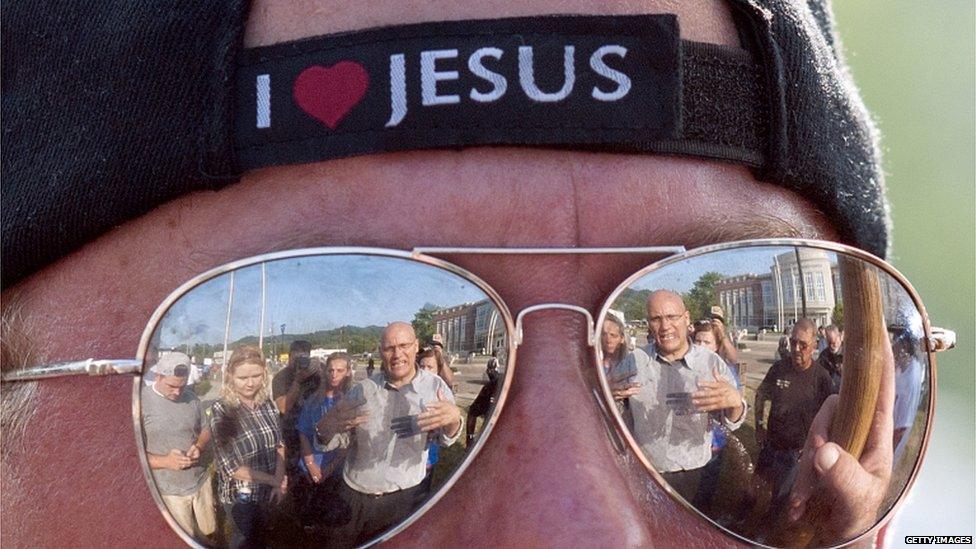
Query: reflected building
point(741, 297)
point(470, 328)
point(773, 300)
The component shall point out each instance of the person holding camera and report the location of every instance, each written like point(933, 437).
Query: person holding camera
point(289, 389)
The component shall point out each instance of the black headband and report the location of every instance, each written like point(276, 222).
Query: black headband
point(112, 111)
point(622, 83)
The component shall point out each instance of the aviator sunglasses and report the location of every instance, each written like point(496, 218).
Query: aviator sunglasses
point(727, 432)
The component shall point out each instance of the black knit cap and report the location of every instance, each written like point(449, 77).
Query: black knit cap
point(114, 107)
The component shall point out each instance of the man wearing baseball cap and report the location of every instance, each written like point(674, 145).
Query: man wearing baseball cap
point(175, 438)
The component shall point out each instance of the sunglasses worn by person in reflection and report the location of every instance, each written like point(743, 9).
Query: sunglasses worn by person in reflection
point(740, 443)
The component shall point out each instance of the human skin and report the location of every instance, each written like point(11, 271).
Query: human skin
point(429, 363)
point(573, 488)
point(247, 379)
point(610, 338)
point(667, 320)
point(707, 339)
point(802, 344)
point(170, 386)
point(398, 347)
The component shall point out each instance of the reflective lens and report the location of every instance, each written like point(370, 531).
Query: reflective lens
point(687, 342)
point(376, 421)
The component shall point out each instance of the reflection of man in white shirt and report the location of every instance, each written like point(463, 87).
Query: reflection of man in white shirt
point(675, 387)
point(909, 373)
point(385, 422)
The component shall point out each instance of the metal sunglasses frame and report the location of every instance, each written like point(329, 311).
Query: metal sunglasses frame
point(935, 340)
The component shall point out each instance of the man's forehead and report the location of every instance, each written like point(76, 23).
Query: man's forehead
point(398, 333)
point(665, 301)
point(803, 333)
point(172, 380)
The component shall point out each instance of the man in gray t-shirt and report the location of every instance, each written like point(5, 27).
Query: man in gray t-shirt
point(385, 422)
point(175, 435)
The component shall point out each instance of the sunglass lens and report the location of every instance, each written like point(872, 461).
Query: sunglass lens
point(307, 369)
point(734, 417)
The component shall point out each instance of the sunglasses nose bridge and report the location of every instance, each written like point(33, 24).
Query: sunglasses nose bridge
point(591, 338)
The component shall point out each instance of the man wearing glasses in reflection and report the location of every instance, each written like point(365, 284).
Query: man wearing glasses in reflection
point(797, 388)
point(384, 422)
point(675, 387)
point(175, 437)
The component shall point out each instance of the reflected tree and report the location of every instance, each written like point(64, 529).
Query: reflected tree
point(837, 318)
point(701, 297)
point(632, 303)
point(423, 322)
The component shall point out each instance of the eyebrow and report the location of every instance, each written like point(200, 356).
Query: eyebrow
point(16, 352)
point(725, 227)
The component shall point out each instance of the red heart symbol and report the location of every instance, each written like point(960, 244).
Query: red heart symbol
point(327, 94)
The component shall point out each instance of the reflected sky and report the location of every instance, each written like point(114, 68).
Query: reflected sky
point(751, 260)
point(313, 293)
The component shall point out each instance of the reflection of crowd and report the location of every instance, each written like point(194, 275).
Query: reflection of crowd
point(682, 397)
point(317, 486)
point(356, 458)
point(831, 356)
point(486, 398)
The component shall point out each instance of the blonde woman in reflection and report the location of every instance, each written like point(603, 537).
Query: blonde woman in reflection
point(249, 453)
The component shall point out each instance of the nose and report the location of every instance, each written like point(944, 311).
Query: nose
point(549, 474)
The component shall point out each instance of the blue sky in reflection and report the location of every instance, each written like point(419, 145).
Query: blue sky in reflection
point(313, 293)
point(681, 276)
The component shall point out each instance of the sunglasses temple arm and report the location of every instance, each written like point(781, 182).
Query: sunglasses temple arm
point(590, 331)
point(90, 367)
